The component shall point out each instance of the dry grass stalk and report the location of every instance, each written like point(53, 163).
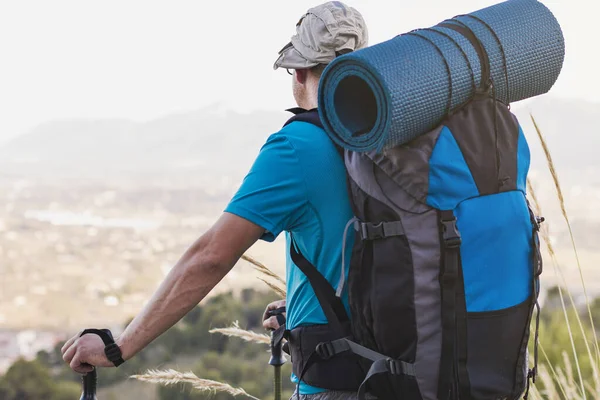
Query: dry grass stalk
point(560, 383)
point(570, 377)
point(546, 237)
point(235, 331)
point(172, 377)
point(549, 382)
point(263, 269)
point(275, 287)
point(566, 217)
point(550, 391)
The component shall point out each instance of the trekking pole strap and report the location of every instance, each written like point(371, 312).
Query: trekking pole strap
point(111, 350)
point(278, 314)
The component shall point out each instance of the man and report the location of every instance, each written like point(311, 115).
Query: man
point(297, 184)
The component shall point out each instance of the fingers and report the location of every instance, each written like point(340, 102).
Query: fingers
point(85, 369)
point(69, 343)
point(271, 323)
point(278, 304)
point(273, 306)
point(85, 352)
point(69, 353)
point(80, 367)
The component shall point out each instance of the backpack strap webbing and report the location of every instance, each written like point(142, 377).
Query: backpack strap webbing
point(454, 378)
point(381, 230)
point(484, 59)
point(381, 363)
point(332, 306)
point(302, 115)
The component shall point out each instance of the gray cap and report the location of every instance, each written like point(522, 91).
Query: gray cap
point(323, 33)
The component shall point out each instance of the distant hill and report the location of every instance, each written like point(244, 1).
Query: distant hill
point(225, 142)
point(571, 129)
point(209, 139)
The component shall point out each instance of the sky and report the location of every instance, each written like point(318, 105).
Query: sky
point(140, 60)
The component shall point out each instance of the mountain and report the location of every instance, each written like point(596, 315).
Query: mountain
point(209, 140)
point(224, 141)
point(571, 129)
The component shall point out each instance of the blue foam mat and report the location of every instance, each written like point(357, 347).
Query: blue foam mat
point(390, 93)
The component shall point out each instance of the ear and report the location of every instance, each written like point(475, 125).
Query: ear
point(301, 76)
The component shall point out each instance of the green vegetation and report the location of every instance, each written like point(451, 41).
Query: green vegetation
point(32, 380)
point(186, 346)
point(558, 373)
point(189, 346)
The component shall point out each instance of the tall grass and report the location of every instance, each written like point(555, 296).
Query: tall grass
point(544, 233)
point(275, 282)
point(562, 378)
point(235, 331)
point(172, 377)
point(565, 215)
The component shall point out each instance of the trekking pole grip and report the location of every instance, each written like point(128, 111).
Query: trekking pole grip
point(277, 358)
point(89, 382)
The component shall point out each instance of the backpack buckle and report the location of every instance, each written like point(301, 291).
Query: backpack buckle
point(370, 231)
point(325, 350)
point(450, 234)
point(392, 367)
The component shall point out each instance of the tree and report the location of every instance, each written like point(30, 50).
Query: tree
point(28, 380)
point(66, 390)
point(179, 392)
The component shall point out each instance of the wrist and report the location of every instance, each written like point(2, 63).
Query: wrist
point(123, 345)
point(112, 351)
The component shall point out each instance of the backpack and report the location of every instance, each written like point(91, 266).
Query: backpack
point(444, 273)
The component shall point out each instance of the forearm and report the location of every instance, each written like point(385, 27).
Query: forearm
point(188, 282)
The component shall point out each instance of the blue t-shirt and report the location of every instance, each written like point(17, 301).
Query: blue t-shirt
point(297, 184)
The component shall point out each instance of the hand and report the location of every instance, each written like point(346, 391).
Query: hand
point(84, 353)
point(271, 322)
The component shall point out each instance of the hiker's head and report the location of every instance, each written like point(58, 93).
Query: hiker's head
point(323, 33)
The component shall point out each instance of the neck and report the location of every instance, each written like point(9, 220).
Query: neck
point(309, 101)
point(311, 90)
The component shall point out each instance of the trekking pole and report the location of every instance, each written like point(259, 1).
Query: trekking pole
point(277, 358)
point(89, 381)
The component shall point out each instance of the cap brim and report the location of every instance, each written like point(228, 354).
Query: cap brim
point(291, 58)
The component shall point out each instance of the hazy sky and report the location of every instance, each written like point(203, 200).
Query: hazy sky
point(144, 59)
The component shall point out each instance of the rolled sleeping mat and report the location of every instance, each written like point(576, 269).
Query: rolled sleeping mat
point(390, 93)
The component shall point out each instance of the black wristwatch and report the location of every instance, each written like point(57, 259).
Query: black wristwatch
point(111, 349)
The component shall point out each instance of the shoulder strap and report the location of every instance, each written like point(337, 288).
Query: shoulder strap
point(302, 115)
point(331, 304)
point(312, 117)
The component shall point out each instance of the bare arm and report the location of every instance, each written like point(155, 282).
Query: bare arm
point(197, 272)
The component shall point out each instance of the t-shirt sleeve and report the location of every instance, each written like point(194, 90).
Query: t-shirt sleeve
point(272, 195)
